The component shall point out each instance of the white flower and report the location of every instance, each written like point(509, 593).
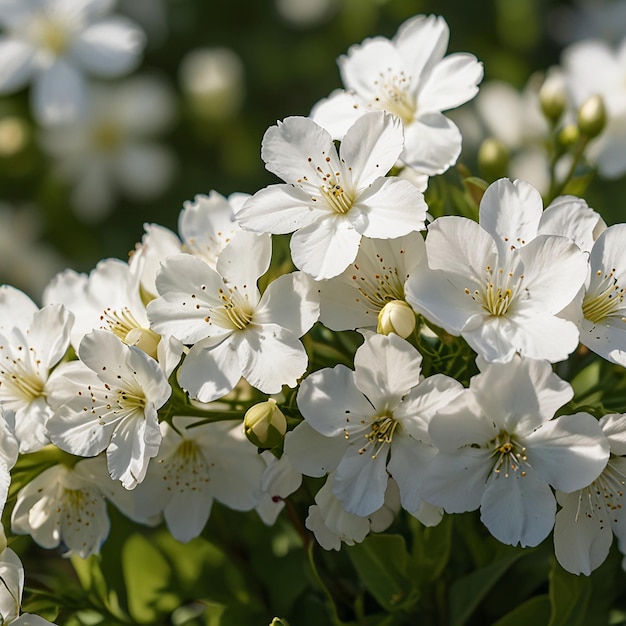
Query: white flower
point(593, 67)
point(11, 589)
point(197, 464)
point(233, 330)
point(501, 284)
point(109, 400)
point(113, 148)
point(64, 507)
point(8, 457)
point(600, 308)
point(500, 450)
point(409, 77)
point(53, 43)
point(32, 342)
point(205, 224)
point(588, 519)
point(332, 199)
point(370, 423)
point(355, 298)
point(109, 298)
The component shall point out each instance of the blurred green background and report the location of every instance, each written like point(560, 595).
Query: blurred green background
point(288, 63)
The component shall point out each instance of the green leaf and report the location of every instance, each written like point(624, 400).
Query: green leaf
point(148, 576)
point(382, 563)
point(468, 592)
point(534, 611)
point(431, 548)
point(569, 597)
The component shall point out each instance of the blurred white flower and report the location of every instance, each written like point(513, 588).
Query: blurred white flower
point(588, 19)
point(53, 43)
point(113, 148)
point(594, 67)
point(213, 81)
point(306, 13)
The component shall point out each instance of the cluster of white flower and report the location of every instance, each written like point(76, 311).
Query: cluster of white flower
point(120, 365)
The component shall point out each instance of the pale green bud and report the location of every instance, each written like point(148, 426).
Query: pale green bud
point(569, 136)
point(493, 158)
point(144, 339)
point(396, 317)
point(592, 116)
point(279, 621)
point(264, 424)
point(553, 97)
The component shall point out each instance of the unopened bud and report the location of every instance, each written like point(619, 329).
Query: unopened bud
point(264, 424)
point(144, 339)
point(396, 317)
point(569, 136)
point(553, 97)
point(493, 158)
point(592, 116)
point(279, 621)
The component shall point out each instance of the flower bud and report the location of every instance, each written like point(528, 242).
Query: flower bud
point(568, 136)
point(144, 339)
point(264, 424)
point(592, 116)
point(553, 97)
point(396, 317)
point(493, 158)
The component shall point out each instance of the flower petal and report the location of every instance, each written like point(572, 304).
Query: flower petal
point(58, 94)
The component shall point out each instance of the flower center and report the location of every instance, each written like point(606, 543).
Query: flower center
point(381, 433)
point(186, 469)
point(50, 34)
point(20, 379)
point(377, 282)
point(107, 137)
point(606, 299)
point(236, 312)
point(509, 455)
point(126, 328)
point(499, 292)
point(392, 96)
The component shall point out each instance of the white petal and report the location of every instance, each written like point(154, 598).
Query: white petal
point(109, 47)
point(571, 217)
point(311, 453)
point(58, 94)
point(337, 113)
point(244, 259)
point(568, 452)
point(280, 209)
point(614, 428)
point(386, 368)
point(12, 575)
point(16, 309)
point(271, 356)
point(50, 333)
point(452, 82)
point(518, 509)
point(17, 64)
point(291, 301)
point(144, 170)
point(186, 514)
point(210, 372)
point(581, 543)
point(360, 482)
point(389, 208)
point(329, 401)
point(325, 249)
point(432, 144)
point(372, 146)
point(510, 212)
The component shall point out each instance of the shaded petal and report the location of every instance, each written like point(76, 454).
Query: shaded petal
point(16, 309)
point(17, 64)
point(568, 452)
point(291, 301)
point(58, 94)
point(372, 146)
point(432, 144)
point(518, 509)
point(330, 401)
point(244, 259)
point(325, 249)
point(389, 208)
point(570, 217)
point(337, 113)
point(312, 453)
point(270, 357)
point(109, 47)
